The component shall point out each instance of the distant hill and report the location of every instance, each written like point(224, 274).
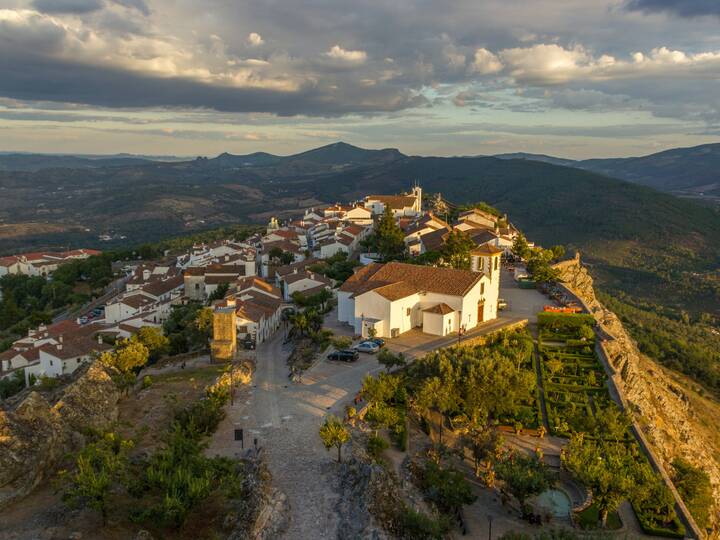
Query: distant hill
point(341, 153)
point(686, 171)
point(679, 169)
point(537, 157)
point(37, 162)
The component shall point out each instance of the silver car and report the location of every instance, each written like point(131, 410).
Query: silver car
point(367, 347)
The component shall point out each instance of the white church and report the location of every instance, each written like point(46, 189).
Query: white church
point(395, 297)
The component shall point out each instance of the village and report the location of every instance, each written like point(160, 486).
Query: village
point(322, 304)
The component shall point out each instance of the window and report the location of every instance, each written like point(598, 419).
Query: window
point(407, 312)
point(496, 262)
point(482, 288)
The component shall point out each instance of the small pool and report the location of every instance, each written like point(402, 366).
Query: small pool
point(554, 501)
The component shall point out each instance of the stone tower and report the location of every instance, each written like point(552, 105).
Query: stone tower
point(224, 343)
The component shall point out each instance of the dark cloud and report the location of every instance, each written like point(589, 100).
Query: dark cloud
point(26, 79)
point(67, 6)
point(682, 8)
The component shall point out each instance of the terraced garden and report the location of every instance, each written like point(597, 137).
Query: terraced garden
point(578, 402)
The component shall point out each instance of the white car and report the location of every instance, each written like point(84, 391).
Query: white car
point(367, 347)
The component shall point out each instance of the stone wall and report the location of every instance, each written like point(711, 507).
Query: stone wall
point(660, 407)
point(36, 430)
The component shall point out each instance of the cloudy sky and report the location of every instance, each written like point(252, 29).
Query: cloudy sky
point(574, 78)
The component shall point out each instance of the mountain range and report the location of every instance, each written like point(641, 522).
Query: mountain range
point(686, 171)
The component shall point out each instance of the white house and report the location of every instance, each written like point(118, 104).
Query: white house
point(65, 357)
point(401, 205)
point(304, 282)
point(395, 297)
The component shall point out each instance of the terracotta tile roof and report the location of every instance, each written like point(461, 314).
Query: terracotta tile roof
point(219, 279)
point(292, 278)
point(481, 236)
point(259, 283)
point(136, 301)
point(283, 245)
point(77, 347)
point(396, 291)
point(421, 278)
point(396, 202)
point(345, 240)
point(301, 265)
point(30, 355)
point(433, 241)
point(361, 276)
point(440, 309)
point(353, 229)
point(159, 287)
point(313, 290)
point(195, 271)
point(485, 250)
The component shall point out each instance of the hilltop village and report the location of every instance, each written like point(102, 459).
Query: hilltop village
point(264, 272)
point(483, 378)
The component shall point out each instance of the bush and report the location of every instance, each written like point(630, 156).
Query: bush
point(341, 342)
point(375, 446)
point(147, 382)
point(203, 417)
point(419, 526)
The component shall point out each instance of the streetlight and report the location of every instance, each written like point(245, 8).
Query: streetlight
point(490, 518)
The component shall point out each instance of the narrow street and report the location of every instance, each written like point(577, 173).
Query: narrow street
point(285, 418)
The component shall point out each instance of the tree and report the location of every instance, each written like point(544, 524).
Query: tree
point(334, 434)
point(558, 252)
point(127, 358)
point(390, 360)
point(603, 467)
point(219, 293)
point(524, 477)
point(694, 485)
point(520, 247)
point(99, 466)
point(456, 250)
point(154, 340)
point(390, 238)
point(446, 487)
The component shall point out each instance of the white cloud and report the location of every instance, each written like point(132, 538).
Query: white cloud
point(255, 39)
point(485, 63)
point(552, 64)
point(338, 53)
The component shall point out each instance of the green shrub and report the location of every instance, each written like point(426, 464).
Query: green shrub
point(147, 382)
point(375, 446)
point(419, 526)
point(341, 342)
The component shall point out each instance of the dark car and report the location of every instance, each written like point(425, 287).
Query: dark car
point(380, 342)
point(344, 356)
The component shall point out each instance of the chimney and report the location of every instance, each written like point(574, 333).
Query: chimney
point(60, 338)
point(59, 346)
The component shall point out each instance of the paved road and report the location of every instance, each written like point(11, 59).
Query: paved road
point(285, 418)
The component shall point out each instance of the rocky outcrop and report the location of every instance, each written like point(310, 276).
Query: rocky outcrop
point(264, 511)
point(36, 431)
point(659, 404)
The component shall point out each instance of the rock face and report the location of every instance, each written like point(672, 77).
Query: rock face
point(661, 406)
point(37, 431)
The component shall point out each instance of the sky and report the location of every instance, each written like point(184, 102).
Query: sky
point(570, 78)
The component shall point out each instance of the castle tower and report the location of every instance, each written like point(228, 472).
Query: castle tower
point(224, 343)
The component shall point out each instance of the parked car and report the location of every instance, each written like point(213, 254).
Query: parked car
point(344, 355)
point(502, 304)
point(380, 342)
point(369, 347)
point(98, 311)
point(83, 320)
